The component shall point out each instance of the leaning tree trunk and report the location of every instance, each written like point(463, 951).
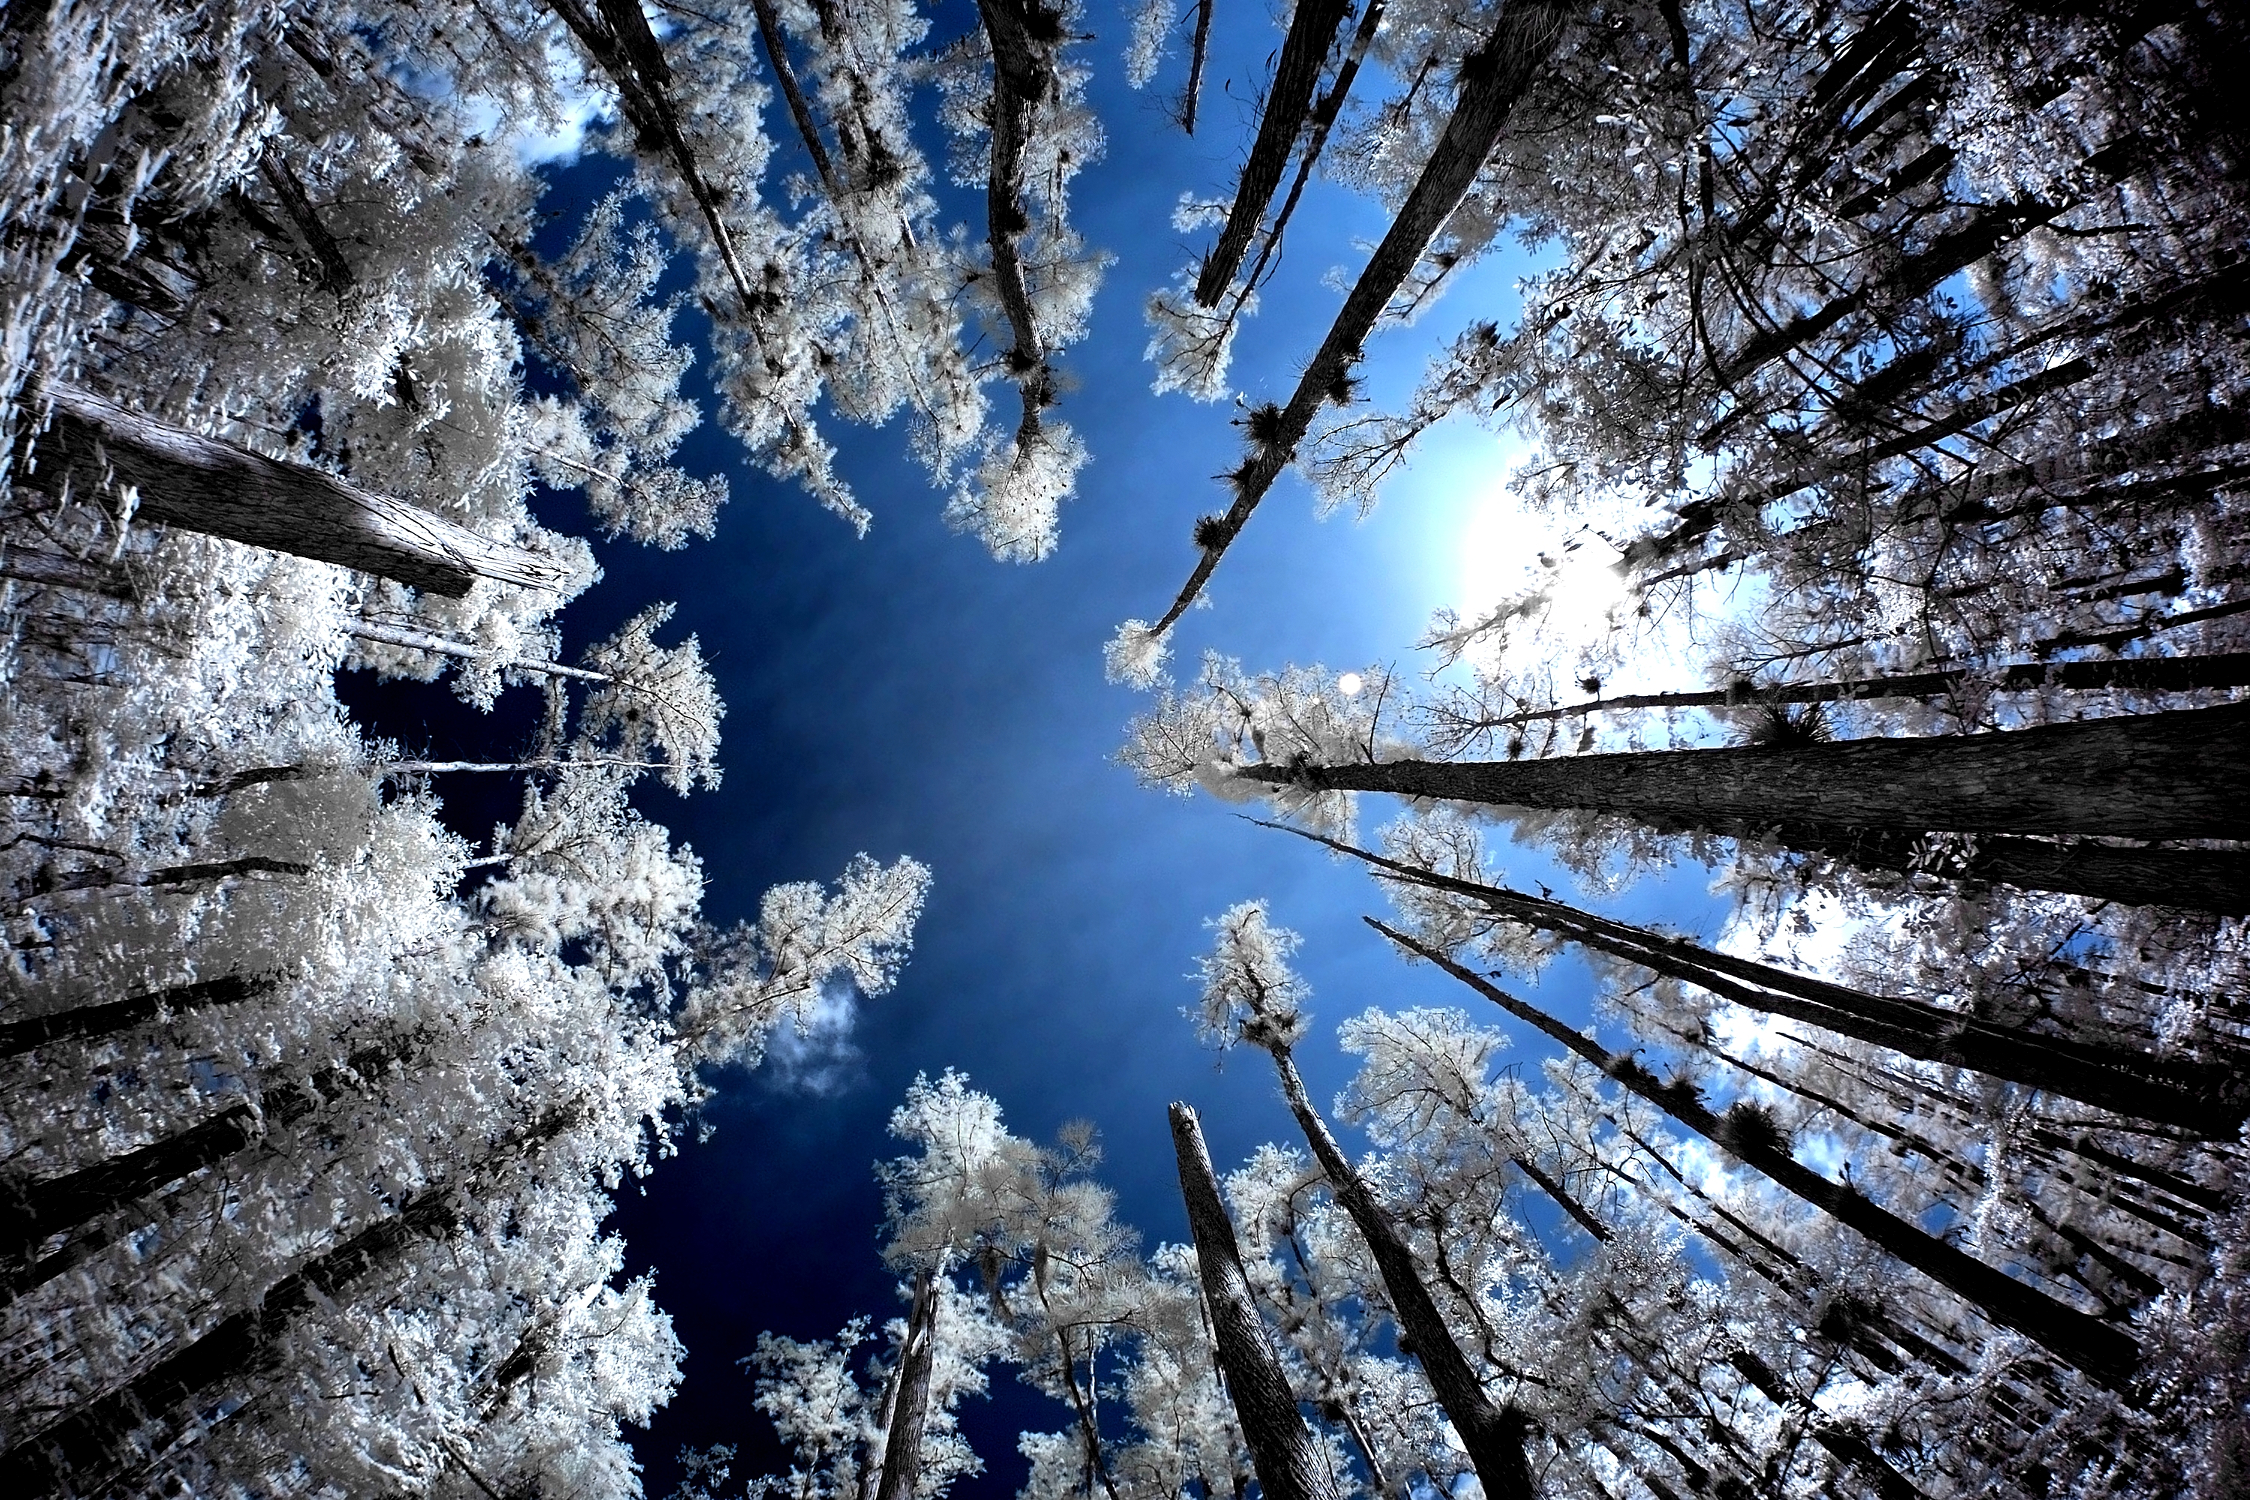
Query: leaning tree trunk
point(1281, 1448)
point(91, 1022)
point(2139, 776)
point(105, 1436)
point(2209, 1099)
point(2104, 1353)
point(1494, 80)
point(197, 483)
point(1304, 52)
point(1493, 1435)
point(902, 1444)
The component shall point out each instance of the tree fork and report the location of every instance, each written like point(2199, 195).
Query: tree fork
point(2105, 1354)
point(1289, 1467)
point(198, 483)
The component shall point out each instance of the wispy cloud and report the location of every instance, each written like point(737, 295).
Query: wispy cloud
point(817, 1055)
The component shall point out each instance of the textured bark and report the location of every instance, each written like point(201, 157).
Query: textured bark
point(2209, 1099)
point(1198, 50)
point(1289, 1465)
point(1492, 1434)
point(1494, 79)
point(1304, 53)
point(2214, 880)
point(88, 1022)
point(2148, 674)
point(1023, 78)
point(2142, 776)
point(198, 483)
point(107, 1435)
point(2102, 1352)
point(1323, 121)
point(910, 1410)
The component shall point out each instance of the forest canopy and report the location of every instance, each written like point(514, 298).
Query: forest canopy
point(1869, 417)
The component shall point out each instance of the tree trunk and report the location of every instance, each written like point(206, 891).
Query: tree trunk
point(104, 1436)
point(198, 483)
point(2105, 1354)
point(2148, 674)
point(1304, 52)
point(1023, 78)
point(2207, 1098)
point(1289, 1465)
point(1494, 79)
point(87, 1022)
point(902, 1443)
point(1198, 50)
point(1852, 1447)
point(1493, 1435)
point(2140, 776)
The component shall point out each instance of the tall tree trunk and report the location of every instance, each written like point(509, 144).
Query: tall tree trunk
point(89, 1022)
point(201, 484)
point(2104, 1353)
point(1494, 79)
point(1304, 52)
point(2139, 776)
point(107, 1435)
point(2210, 1099)
point(1198, 51)
point(902, 1442)
point(2149, 674)
point(1493, 1434)
point(1023, 78)
point(32, 1212)
point(1281, 1448)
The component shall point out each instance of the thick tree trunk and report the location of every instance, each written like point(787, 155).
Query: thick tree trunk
point(2103, 1352)
point(2206, 1098)
point(1289, 1465)
point(1023, 79)
point(109, 1434)
point(87, 1022)
point(1494, 79)
point(1304, 52)
point(198, 483)
point(2140, 776)
point(1493, 1434)
point(902, 1443)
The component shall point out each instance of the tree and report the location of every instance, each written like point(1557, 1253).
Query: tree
point(1249, 994)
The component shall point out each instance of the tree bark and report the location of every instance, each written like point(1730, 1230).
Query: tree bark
point(2148, 674)
point(1289, 1466)
point(1023, 78)
point(2209, 1099)
point(2105, 1354)
point(198, 483)
point(902, 1442)
point(106, 1435)
point(1198, 50)
point(1304, 52)
point(2141, 776)
point(1494, 79)
point(87, 1022)
point(1493, 1434)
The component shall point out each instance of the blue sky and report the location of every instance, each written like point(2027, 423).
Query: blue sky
point(904, 694)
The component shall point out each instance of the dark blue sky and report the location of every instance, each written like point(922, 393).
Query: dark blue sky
point(905, 694)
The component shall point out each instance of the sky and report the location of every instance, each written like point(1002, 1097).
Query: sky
point(904, 694)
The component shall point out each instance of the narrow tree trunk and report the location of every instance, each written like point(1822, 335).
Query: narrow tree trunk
point(1304, 52)
point(1493, 1435)
point(1198, 50)
point(1852, 1447)
point(902, 1442)
point(1289, 1465)
point(2106, 1354)
point(411, 639)
point(1494, 79)
point(2148, 674)
point(201, 484)
point(88, 1022)
point(2206, 1098)
point(106, 1435)
point(2139, 776)
point(1023, 78)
